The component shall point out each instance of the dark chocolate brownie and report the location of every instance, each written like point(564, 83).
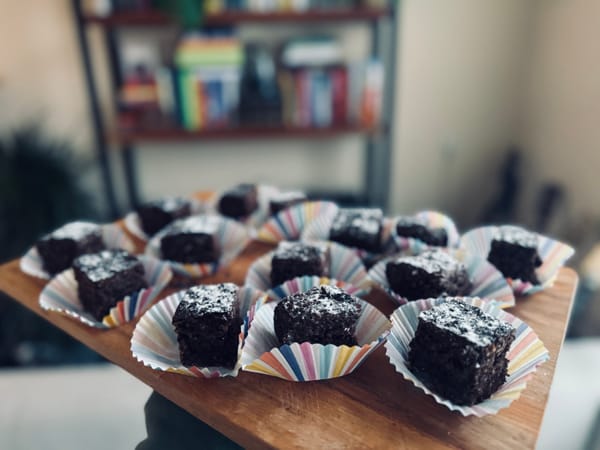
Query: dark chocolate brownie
point(239, 202)
point(207, 322)
point(296, 259)
point(322, 315)
point(191, 240)
point(105, 278)
point(59, 248)
point(282, 200)
point(413, 227)
point(358, 227)
point(156, 215)
point(514, 253)
point(431, 274)
point(459, 352)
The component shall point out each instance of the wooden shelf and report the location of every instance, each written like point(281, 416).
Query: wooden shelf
point(248, 132)
point(154, 18)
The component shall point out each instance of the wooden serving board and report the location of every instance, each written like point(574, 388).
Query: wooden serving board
point(374, 407)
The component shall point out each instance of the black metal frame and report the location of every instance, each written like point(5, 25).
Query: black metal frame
point(377, 146)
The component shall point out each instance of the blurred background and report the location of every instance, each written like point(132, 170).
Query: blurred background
point(483, 109)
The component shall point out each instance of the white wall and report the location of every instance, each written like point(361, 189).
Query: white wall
point(460, 79)
point(561, 103)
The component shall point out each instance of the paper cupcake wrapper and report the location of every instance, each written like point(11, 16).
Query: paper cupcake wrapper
point(318, 230)
point(288, 225)
point(303, 284)
point(154, 341)
point(525, 355)
point(309, 362)
point(488, 282)
point(134, 226)
point(61, 295)
point(112, 235)
point(553, 253)
point(432, 219)
point(232, 239)
point(344, 265)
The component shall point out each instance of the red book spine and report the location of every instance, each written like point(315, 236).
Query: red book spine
point(339, 82)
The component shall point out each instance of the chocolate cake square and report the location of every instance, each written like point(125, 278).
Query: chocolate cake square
point(105, 278)
point(156, 215)
point(240, 201)
point(322, 315)
point(59, 248)
point(359, 228)
point(191, 240)
point(207, 322)
point(433, 273)
point(414, 227)
point(282, 200)
point(514, 253)
point(296, 259)
point(459, 352)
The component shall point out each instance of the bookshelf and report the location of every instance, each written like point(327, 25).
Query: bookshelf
point(382, 24)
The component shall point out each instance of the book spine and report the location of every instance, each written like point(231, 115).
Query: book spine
point(339, 88)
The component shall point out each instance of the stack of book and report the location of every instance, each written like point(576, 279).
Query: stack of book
point(320, 90)
point(218, 6)
point(208, 70)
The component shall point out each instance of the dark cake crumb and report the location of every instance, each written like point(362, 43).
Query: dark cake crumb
point(105, 278)
point(240, 201)
point(59, 248)
point(359, 228)
point(459, 352)
point(156, 215)
point(514, 253)
point(296, 259)
point(207, 322)
point(413, 227)
point(191, 240)
point(431, 274)
point(322, 315)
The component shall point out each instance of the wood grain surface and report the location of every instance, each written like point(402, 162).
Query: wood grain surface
point(374, 407)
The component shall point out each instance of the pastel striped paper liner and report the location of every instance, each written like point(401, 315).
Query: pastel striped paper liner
point(554, 254)
point(318, 230)
point(232, 237)
point(303, 284)
point(487, 281)
point(525, 355)
point(432, 219)
point(288, 225)
point(154, 341)
point(309, 362)
point(112, 235)
point(134, 226)
point(344, 265)
point(61, 295)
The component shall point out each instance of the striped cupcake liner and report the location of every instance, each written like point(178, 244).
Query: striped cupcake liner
point(344, 266)
point(432, 219)
point(318, 230)
point(134, 226)
point(488, 282)
point(112, 235)
point(553, 253)
point(525, 355)
point(154, 341)
point(61, 295)
point(231, 238)
point(288, 225)
point(263, 354)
